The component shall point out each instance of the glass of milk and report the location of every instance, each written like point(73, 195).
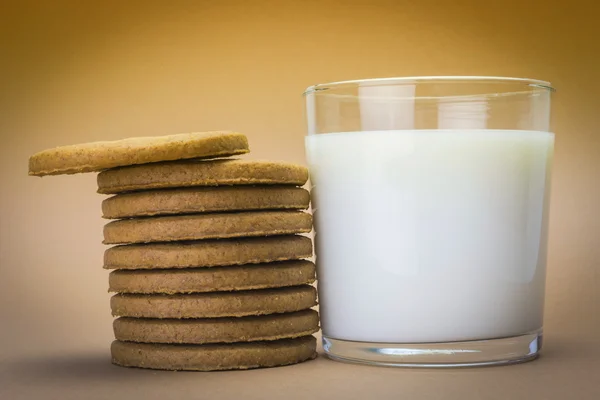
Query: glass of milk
point(430, 201)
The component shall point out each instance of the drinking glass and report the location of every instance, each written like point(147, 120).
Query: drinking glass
point(430, 202)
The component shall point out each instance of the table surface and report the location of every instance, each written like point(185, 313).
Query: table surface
point(569, 368)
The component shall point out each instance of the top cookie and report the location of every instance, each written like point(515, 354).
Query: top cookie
point(98, 156)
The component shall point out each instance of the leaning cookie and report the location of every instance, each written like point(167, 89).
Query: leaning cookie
point(98, 156)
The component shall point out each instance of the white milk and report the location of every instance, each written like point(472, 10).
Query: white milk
point(430, 235)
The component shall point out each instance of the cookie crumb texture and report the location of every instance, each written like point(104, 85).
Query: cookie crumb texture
point(99, 156)
point(214, 357)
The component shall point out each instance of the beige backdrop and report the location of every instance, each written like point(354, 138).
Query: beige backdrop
point(76, 72)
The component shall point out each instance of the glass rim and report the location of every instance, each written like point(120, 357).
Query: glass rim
point(534, 83)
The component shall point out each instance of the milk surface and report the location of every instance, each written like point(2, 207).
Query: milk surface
point(430, 235)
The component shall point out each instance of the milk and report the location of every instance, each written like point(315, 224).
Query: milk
point(430, 235)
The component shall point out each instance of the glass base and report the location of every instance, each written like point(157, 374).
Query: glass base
point(474, 353)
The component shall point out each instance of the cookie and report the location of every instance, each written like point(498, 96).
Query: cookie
point(217, 330)
point(213, 357)
point(208, 253)
point(215, 304)
point(200, 173)
point(207, 226)
point(198, 280)
point(204, 199)
point(98, 156)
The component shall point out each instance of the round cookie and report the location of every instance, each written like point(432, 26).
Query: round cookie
point(208, 253)
point(215, 304)
point(98, 156)
point(204, 199)
point(200, 173)
point(217, 330)
point(207, 226)
point(199, 280)
point(213, 357)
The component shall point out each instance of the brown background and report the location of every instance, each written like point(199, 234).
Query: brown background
point(75, 71)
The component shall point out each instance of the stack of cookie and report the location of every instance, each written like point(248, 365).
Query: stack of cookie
point(208, 264)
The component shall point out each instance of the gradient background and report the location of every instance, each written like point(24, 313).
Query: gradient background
point(76, 71)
